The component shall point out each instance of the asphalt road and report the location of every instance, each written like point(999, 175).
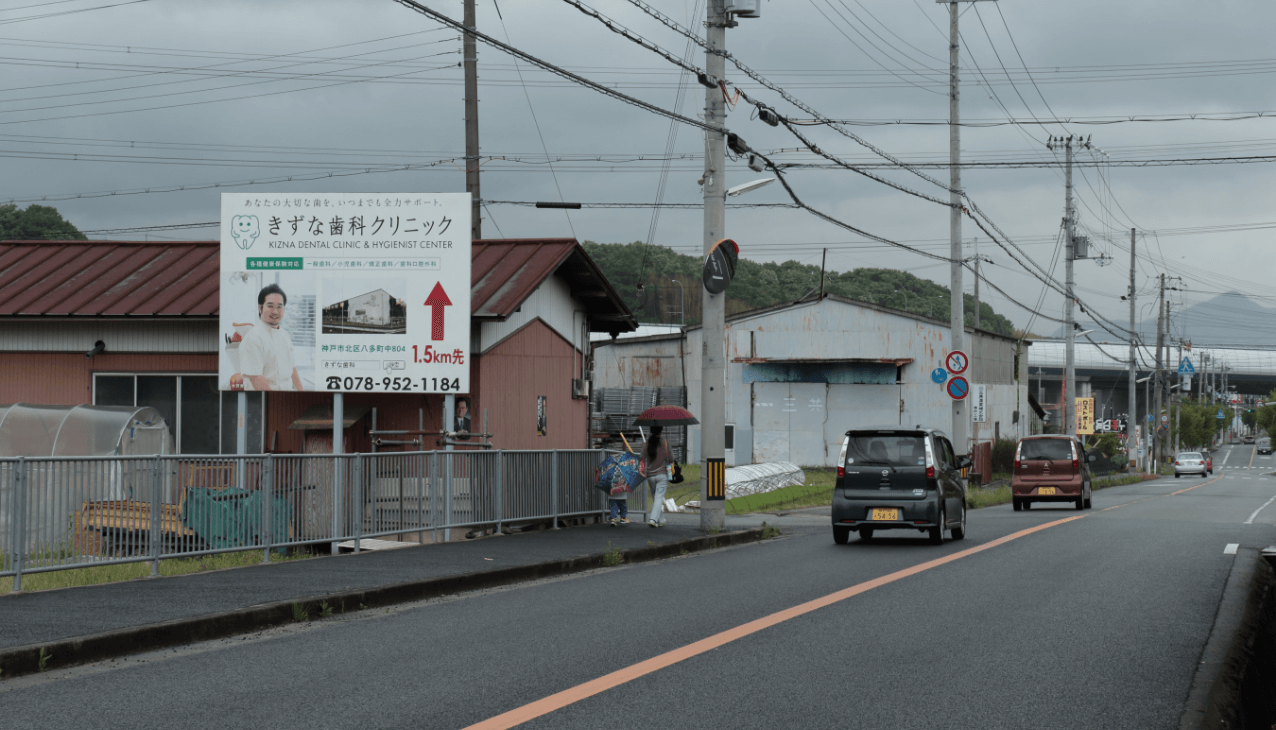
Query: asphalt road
point(1094, 622)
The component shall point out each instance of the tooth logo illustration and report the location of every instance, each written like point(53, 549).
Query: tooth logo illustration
point(245, 229)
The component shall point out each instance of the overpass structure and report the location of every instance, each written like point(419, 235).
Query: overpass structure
point(1103, 373)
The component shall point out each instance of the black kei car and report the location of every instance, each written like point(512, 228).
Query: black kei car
point(899, 478)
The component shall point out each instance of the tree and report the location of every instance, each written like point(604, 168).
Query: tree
point(37, 222)
point(627, 265)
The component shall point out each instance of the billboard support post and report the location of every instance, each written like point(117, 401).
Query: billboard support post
point(338, 446)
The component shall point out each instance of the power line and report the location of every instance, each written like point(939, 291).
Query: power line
point(413, 5)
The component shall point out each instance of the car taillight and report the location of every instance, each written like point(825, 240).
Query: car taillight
point(1176, 462)
point(1076, 463)
point(930, 472)
point(841, 471)
point(1016, 464)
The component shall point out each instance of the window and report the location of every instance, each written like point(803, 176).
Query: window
point(886, 449)
point(202, 418)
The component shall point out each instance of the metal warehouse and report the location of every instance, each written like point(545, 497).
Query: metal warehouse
point(800, 374)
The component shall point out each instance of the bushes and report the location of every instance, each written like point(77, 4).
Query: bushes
point(1003, 456)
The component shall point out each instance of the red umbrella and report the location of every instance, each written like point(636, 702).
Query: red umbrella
point(665, 416)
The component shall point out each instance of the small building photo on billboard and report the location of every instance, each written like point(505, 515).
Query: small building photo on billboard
point(377, 309)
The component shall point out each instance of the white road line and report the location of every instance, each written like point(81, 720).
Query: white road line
point(1250, 521)
point(1229, 453)
point(1231, 548)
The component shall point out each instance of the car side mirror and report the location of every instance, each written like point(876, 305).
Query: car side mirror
point(964, 462)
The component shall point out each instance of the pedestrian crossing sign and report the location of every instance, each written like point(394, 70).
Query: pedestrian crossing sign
point(1185, 366)
point(1220, 415)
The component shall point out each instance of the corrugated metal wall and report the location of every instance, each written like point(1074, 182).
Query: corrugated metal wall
point(66, 378)
point(167, 336)
point(533, 362)
point(824, 335)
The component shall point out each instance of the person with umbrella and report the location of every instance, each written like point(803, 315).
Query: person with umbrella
point(656, 456)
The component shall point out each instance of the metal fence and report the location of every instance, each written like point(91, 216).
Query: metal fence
point(62, 513)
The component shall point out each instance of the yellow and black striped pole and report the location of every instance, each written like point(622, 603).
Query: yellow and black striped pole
point(716, 479)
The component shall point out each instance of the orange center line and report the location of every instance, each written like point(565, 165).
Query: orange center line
point(559, 700)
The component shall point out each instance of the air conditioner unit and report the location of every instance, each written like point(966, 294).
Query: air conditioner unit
point(581, 388)
point(744, 8)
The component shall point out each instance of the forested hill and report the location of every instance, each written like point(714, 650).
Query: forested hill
point(763, 284)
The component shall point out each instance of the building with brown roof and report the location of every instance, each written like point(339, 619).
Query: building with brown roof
point(136, 323)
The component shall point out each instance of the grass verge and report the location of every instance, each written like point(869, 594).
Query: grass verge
point(99, 574)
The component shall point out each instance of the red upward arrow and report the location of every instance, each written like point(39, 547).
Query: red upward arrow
point(436, 302)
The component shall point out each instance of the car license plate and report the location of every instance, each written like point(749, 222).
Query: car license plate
point(1046, 491)
point(885, 515)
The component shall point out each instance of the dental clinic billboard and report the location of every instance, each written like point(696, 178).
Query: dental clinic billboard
point(345, 292)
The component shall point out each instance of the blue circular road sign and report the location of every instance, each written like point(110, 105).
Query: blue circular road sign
point(939, 375)
point(958, 388)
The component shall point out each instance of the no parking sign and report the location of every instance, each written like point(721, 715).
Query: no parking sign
point(958, 388)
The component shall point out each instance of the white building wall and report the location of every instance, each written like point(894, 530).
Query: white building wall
point(553, 303)
point(150, 335)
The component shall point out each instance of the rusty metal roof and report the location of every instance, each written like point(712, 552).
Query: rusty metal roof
point(150, 278)
point(109, 278)
point(506, 271)
point(320, 417)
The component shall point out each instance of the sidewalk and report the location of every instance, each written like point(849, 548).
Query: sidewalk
point(92, 622)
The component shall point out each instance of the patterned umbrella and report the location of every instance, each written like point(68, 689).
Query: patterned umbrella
point(618, 473)
point(665, 416)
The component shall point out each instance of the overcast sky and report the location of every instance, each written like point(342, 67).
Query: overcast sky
point(154, 94)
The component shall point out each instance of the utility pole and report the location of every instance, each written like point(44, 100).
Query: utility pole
point(957, 310)
point(1133, 407)
point(1178, 409)
point(957, 306)
point(977, 317)
point(713, 402)
point(1156, 384)
point(469, 55)
point(1070, 361)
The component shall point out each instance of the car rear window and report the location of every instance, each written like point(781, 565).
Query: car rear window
point(886, 449)
point(1190, 455)
point(1045, 449)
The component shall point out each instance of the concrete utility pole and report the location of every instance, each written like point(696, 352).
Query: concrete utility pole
point(1134, 403)
point(713, 402)
point(1178, 409)
point(1156, 383)
point(1070, 362)
point(957, 313)
point(978, 319)
point(470, 58)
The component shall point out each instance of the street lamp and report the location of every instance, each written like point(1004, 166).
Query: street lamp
point(749, 186)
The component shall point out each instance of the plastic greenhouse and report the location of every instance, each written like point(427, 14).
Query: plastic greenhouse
point(39, 430)
point(57, 489)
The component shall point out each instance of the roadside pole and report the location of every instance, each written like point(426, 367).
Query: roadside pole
point(1069, 249)
point(338, 445)
point(469, 58)
point(1155, 426)
point(713, 402)
point(1133, 415)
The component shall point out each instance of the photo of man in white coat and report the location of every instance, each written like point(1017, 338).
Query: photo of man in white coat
point(266, 357)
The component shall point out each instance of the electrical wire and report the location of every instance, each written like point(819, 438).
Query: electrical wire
point(413, 5)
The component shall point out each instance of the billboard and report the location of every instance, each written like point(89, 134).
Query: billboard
point(1085, 416)
point(345, 292)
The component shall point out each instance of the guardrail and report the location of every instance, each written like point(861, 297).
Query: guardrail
point(59, 513)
